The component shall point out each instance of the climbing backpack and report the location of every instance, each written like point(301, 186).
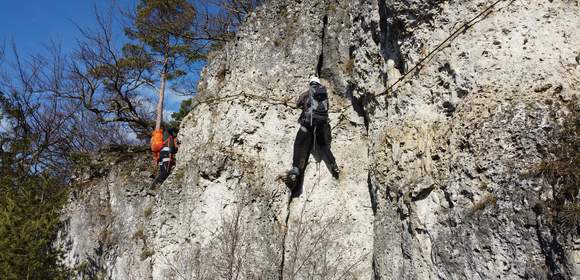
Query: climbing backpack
point(168, 151)
point(156, 143)
point(317, 106)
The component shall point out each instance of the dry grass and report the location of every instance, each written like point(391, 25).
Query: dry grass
point(179, 174)
point(314, 250)
point(233, 251)
point(221, 74)
point(139, 234)
point(570, 215)
point(146, 253)
point(488, 200)
point(348, 66)
point(561, 171)
point(107, 238)
point(148, 211)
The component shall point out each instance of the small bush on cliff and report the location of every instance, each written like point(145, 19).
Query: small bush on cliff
point(561, 170)
point(487, 201)
point(570, 216)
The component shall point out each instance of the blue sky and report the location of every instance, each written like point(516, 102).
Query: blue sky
point(33, 23)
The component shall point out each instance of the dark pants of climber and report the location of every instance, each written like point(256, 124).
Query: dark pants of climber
point(304, 144)
point(164, 165)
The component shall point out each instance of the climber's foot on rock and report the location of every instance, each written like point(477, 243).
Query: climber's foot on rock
point(291, 180)
point(292, 177)
point(335, 170)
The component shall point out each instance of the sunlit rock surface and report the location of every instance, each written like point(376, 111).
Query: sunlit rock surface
point(436, 174)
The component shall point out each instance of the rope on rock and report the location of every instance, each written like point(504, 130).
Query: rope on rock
point(464, 27)
point(479, 17)
point(271, 100)
point(417, 67)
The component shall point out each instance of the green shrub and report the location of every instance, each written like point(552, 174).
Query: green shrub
point(29, 221)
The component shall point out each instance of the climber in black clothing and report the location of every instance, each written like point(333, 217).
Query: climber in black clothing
point(164, 153)
point(314, 132)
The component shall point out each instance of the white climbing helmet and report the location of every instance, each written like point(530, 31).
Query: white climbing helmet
point(314, 79)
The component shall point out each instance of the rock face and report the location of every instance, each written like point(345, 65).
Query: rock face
point(444, 173)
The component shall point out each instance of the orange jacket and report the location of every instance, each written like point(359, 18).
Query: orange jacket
point(158, 142)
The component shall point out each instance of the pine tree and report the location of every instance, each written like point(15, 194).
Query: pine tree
point(164, 30)
point(184, 108)
point(29, 221)
point(30, 205)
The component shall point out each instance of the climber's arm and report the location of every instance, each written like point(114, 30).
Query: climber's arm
point(301, 101)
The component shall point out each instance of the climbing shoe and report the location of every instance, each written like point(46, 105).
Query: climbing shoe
point(335, 171)
point(292, 176)
point(291, 180)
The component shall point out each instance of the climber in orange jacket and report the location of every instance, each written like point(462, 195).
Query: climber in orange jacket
point(164, 147)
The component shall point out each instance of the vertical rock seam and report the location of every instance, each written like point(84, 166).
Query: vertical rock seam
point(288, 208)
point(321, 56)
point(284, 239)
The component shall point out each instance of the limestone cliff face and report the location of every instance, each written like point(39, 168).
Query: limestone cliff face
point(438, 174)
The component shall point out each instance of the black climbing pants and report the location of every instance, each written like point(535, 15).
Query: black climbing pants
point(164, 166)
point(304, 144)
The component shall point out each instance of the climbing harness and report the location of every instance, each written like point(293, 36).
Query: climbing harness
point(166, 156)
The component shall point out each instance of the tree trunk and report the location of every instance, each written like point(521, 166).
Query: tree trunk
point(161, 97)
